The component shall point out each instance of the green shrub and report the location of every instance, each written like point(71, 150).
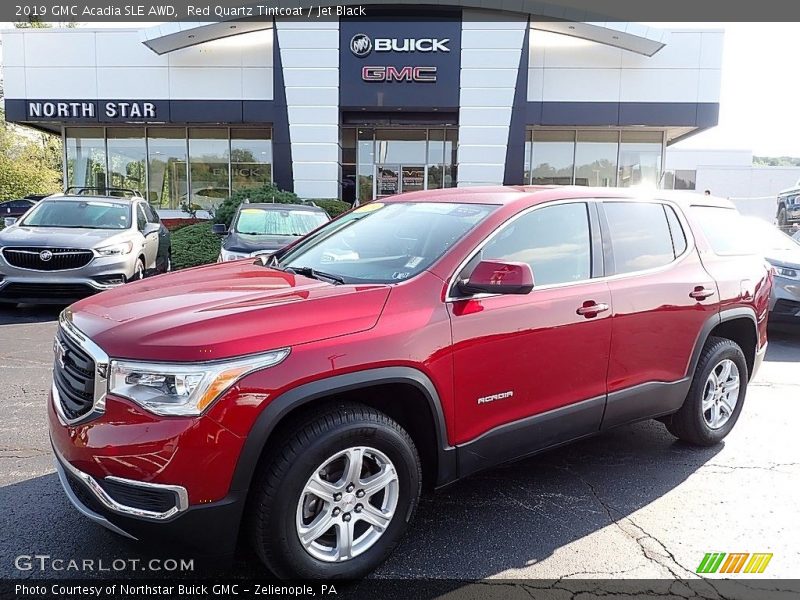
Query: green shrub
point(266, 193)
point(332, 206)
point(194, 245)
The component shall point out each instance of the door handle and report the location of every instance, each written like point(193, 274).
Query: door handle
point(701, 293)
point(591, 309)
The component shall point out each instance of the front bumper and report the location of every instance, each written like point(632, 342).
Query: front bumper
point(784, 303)
point(18, 285)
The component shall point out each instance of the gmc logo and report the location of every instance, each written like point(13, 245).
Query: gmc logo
point(389, 74)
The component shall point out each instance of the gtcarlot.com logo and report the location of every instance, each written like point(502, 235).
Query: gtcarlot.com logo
point(48, 563)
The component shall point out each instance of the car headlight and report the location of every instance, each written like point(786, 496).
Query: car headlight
point(785, 272)
point(176, 389)
point(227, 255)
point(116, 249)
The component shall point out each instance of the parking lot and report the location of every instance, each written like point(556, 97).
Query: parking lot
point(632, 503)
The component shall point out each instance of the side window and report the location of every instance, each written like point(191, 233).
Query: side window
point(152, 216)
point(554, 241)
point(640, 236)
point(140, 217)
point(679, 242)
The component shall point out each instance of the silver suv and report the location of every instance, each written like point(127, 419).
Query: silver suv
point(71, 246)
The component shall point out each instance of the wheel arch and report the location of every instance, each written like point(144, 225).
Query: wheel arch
point(737, 324)
point(428, 429)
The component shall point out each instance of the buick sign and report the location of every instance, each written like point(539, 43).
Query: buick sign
point(361, 45)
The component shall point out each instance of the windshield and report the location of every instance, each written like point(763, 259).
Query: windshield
point(384, 243)
point(260, 221)
point(92, 214)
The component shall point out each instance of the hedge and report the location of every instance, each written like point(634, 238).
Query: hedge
point(332, 206)
point(194, 245)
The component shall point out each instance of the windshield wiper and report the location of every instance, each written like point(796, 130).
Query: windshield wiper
point(309, 272)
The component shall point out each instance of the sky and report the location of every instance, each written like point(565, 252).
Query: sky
point(759, 108)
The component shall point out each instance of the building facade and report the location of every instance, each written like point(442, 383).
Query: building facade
point(363, 108)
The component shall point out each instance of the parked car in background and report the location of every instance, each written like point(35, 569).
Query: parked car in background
point(14, 209)
point(265, 228)
point(783, 253)
point(71, 246)
point(304, 400)
point(788, 207)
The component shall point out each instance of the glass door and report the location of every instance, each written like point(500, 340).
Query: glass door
point(413, 178)
point(387, 180)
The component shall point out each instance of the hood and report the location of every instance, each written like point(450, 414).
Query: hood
point(784, 258)
point(224, 310)
point(236, 242)
point(60, 237)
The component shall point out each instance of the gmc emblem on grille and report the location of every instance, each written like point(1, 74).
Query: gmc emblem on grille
point(59, 351)
point(45, 255)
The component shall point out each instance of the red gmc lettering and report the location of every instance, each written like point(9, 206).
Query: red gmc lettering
point(390, 73)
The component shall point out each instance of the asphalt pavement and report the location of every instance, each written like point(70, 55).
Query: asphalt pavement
point(632, 503)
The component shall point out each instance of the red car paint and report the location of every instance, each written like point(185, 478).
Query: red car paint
point(537, 345)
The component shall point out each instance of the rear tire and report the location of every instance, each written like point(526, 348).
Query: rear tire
point(782, 219)
point(716, 396)
point(358, 523)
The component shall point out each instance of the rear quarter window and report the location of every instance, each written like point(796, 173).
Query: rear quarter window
point(725, 229)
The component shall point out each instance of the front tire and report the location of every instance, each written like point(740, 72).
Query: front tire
point(716, 396)
point(138, 271)
point(336, 495)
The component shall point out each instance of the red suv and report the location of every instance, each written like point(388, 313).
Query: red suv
point(305, 400)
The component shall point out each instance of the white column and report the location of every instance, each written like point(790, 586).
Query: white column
point(490, 58)
point(310, 58)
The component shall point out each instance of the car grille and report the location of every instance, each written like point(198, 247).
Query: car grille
point(73, 374)
point(152, 499)
point(52, 291)
point(60, 259)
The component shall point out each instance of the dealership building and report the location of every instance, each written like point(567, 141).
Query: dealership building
point(361, 108)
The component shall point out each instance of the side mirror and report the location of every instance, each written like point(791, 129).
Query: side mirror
point(498, 277)
point(9, 221)
point(219, 229)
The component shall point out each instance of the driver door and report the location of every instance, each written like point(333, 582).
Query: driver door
point(150, 233)
point(530, 370)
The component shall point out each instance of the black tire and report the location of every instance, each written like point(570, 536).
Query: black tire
point(278, 487)
point(138, 271)
point(782, 220)
point(689, 424)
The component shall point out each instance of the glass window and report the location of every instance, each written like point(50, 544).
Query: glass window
point(127, 158)
point(167, 166)
point(208, 162)
point(348, 143)
point(86, 157)
point(553, 240)
point(725, 229)
point(640, 236)
point(552, 153)
point(436, 159)
point(386, 243)
point(596, 158)
point(679, 242)
point(251, 158)
point(84, 214)
point(259, 221)
point(141, 218)
point(400, 146)
point(685, 179)
point(640, 158)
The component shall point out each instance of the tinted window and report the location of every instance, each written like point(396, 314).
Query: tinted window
point(640, 236)
point(679, 243)
point(725, 230)
point(553, 240)
point(91, 214)
point(141, 218)
point(152, 216)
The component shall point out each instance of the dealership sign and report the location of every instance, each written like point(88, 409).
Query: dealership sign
point(414, 63)
point(91, 110)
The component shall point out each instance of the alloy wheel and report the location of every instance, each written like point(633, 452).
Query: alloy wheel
point(721, 394)
point(347, 504)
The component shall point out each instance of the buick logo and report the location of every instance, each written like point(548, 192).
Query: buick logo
point(45, 255)
point(361, 45)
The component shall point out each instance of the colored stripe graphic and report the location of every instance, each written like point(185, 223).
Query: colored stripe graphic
point(710, 562)
point(758, 562)
point(734, 562)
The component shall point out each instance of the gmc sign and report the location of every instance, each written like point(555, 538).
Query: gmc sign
point(390, 73)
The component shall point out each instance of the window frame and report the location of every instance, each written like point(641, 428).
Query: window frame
point(596, 250)
point(608, 249)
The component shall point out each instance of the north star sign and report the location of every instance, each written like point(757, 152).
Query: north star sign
point(76, 109)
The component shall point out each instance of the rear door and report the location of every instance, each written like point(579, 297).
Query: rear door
point(662, 297)
point(525, 364)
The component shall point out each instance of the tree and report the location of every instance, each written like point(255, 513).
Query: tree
point(266, 193)
point(27, 166)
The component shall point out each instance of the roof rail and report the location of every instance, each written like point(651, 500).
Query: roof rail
point(102, 191)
